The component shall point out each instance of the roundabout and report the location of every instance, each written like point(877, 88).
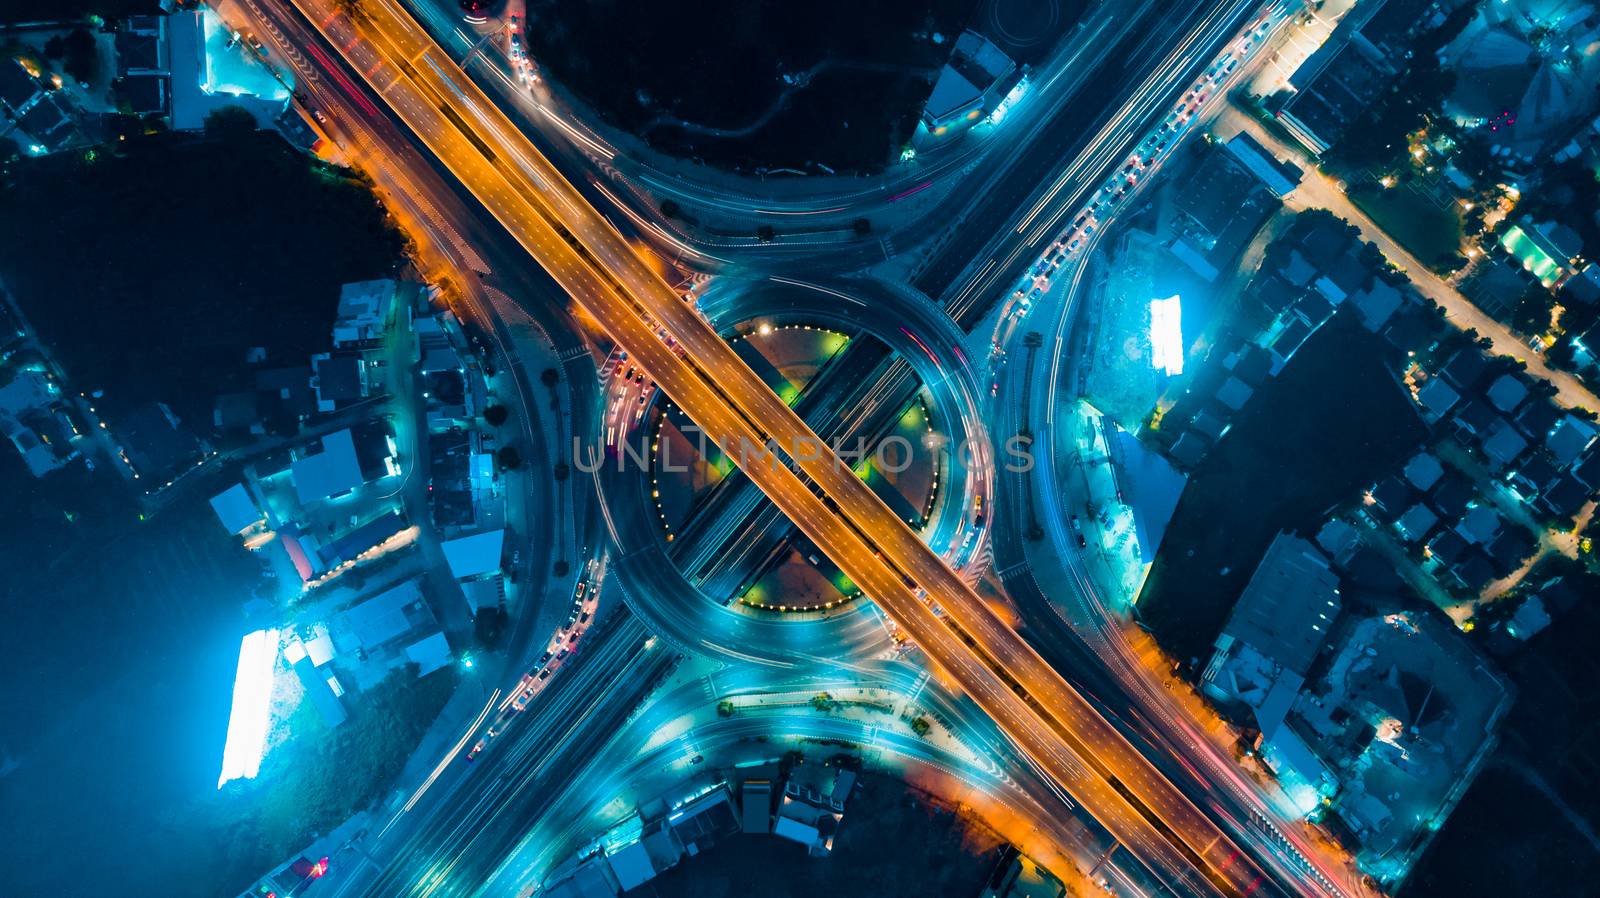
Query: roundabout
point(705, 559)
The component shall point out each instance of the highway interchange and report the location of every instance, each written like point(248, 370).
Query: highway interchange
point(485, 189)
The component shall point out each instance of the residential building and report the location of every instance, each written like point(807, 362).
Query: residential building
point(330, 472)
point(364, 311)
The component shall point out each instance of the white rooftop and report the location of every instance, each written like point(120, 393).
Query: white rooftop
point(470, 556)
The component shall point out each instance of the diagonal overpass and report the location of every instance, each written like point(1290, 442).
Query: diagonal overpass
point(1052, 723)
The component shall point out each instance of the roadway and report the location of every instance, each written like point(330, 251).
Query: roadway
point(1083, 634)
point(680, 744)
point(598, 269)
point(475, 814)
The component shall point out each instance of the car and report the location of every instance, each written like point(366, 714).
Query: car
point(1074, 244)
point(545, 657)
point(1077, 524)
point(639, 378)
point(583, 618)
point(516, 557)
point(319, 115)
point(544, 674)
point(1083, 541)
point(472, 755)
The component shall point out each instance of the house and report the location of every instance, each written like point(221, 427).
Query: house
point(1546, 250)
point(1565, 497)
point(1474, 571)
point(339, 380)
point(1423, 470)
point(1508, 549)
point(1376, 303)
point(286, 392)
point(320, 684)
point(331, 472)
point(237, 509)
point(1449, 548)
point(237, 413)
point(1234, 393)
point(1339, 539)
point(143, 94)
point(156, 443)
point(375, 449)
point(1535, 475)
point(1466, 369)
point(1529, 619)
point(1474, 418)
point(1388, 499)
point(1416, 523)
point(144, 65)
point(1189, 449)
point(1437, 398)
point(1570, 438)
point(1536, 419)
point(1503, 444)
point(1479, 525)
point(364, 309)
point(1413, 327)
point(1507, 392)
point(1451, 496)
point(364, 538)
point(1587, 471)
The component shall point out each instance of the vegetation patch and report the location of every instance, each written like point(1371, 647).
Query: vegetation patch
point(753, 83)
point(152, 271)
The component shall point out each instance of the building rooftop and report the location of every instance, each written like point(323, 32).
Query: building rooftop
point(429, 653)
point(363, 311)
point(1570, 438)
point(340, 379)
point(236, 508)
point(381, 619)
point(480, 553)
point(1289, 604)
point(1507, 392)
point(331, 472)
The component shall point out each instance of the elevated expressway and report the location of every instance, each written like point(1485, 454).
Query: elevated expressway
point(1047, 719)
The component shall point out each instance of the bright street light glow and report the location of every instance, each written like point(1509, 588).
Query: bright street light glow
point(252, 706)
point(1166, 335)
